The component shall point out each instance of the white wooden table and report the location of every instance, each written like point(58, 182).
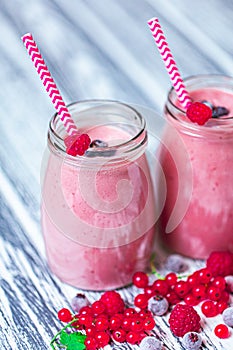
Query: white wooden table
point(94, 49)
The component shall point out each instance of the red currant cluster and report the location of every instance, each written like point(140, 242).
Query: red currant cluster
point(109, 318)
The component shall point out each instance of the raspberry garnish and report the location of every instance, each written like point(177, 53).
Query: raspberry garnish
point(220, 263)
point(184, 319)
point(76, 145)
point(199, 113)
point(113, 302)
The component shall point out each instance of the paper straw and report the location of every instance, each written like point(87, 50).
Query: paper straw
point(49, 84)
point(169, 61)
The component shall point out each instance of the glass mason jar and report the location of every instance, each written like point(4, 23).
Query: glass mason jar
point(197, 163)
point(98, 210)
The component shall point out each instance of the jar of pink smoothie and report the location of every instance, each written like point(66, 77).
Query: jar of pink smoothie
point(98, 211)
point(197, 163)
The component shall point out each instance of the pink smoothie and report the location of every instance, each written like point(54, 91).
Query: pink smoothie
point(98, 220)
point(198, 166)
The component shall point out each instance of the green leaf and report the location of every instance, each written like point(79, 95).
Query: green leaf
point(64, 338)
point(76, 346)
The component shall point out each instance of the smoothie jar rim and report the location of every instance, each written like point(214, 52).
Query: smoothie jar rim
point(195, 82)
point(131, 148)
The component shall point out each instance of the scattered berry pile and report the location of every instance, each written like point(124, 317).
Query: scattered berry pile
point(109, 319)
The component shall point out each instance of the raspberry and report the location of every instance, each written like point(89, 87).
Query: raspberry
point(192, 341)
point(184, 319)
point(220, 263)
point(113, 302)
point(199, 113)
point(77, 144)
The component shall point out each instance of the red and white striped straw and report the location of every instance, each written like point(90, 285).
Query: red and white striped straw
point(169, 61)
point(49, 84)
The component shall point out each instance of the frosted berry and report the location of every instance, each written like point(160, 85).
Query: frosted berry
point(113, 302)
point(220, 263)
point(222, 331)
point(199, 113)
point(192, 341)
point(77, 144)
point(176, 263)
point(79, 301)
point(140, 279)
point(229, 283)
point(184, 319)
point(228, 316)
point(150, 343)
point(158, 305)
point(64, 315)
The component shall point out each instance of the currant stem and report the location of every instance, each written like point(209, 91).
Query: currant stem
point(61, 330)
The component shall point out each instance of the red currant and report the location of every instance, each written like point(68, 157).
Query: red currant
point(209, 308)
point(64, 315)
point(101, 323)
point(222, 305)
point(91, 343)
point(171, 278)
point(90, 331)
point(148, 324)
point(219, 282)
point(204, 275)
point(145, 313)
point(136, 324)
point(160, 287)
point(115, 321)
point(141, 301)
point(86, 320)
point(172, 298)
point(191, 300)
point(193, 279)
point(97, 308)
point(222, 331)
point(119, 335)
point(181, 288)
point(140, 279)
point(149, 291)
point(214, 293)
point(85, 310)
point(130, 312)
point(102, 338)
point(225, 296)
point(132, 337)
point(126, 323)
point(199, 292)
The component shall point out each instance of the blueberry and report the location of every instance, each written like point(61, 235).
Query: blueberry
point(192, 341)
point(228, 316)
point(229, 282)
point(150, 343)
point(158, 305)
point(79, 301)
point(219, 112)
point(98, 143)
point(176, 263)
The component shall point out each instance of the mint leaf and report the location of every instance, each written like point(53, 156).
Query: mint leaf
point(76, 346)
point(64, 338)
point(77, 337)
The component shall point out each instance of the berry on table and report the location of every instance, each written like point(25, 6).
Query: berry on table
point(141, 301)
point(181, 288)
point(175, 263)
point(160, 287)
point(158, 305)
point(132, 337)
point(79, 301)
point(64, 315)
point(119, 335)
point(220, 263)
point(150, 343)
point(209, 308)
point(192, 341)
point(204, 275)
point(222, 331)
point(140, 279)
point(113, 302)
point(184, 319)
point(171, 278)
point(228, 316)
point(199, 113)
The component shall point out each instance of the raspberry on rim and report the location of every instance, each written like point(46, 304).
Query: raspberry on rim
point(199, 113)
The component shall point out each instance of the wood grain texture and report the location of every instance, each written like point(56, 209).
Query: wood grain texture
point(94, 49)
